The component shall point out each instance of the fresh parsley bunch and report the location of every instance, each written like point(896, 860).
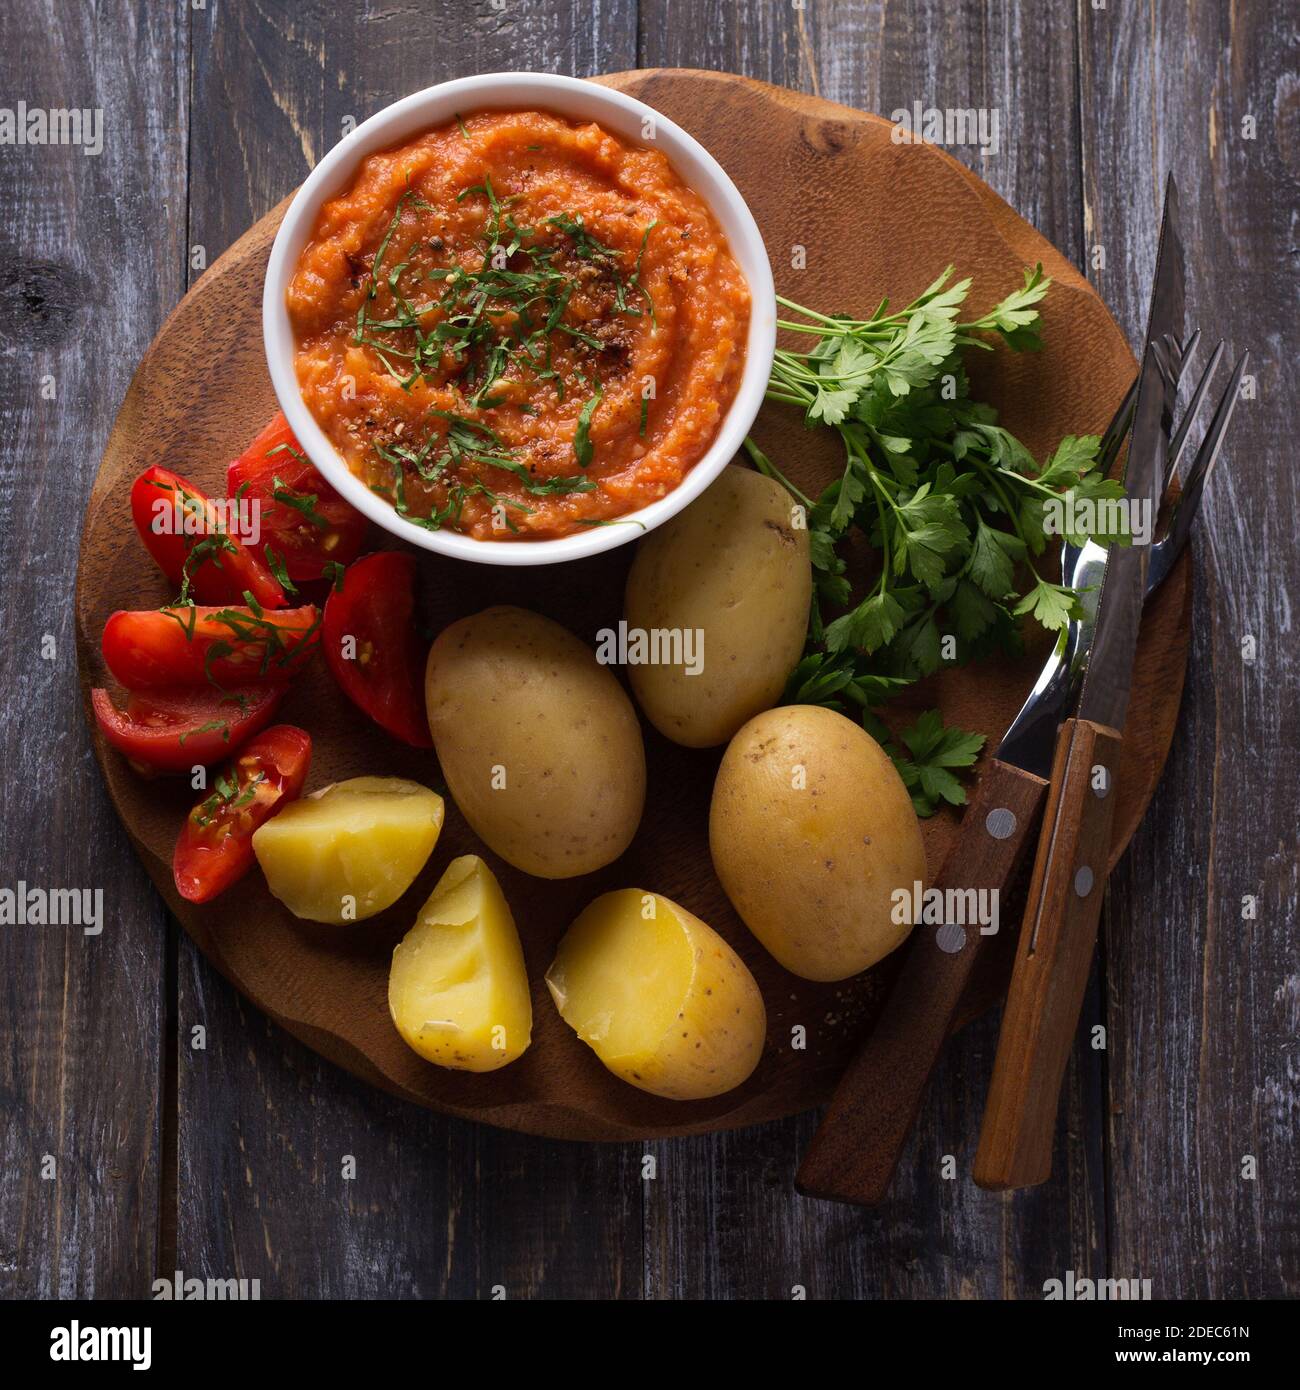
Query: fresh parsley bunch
point(954, 504)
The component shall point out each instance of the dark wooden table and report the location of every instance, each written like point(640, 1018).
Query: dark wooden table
point(127, 1149)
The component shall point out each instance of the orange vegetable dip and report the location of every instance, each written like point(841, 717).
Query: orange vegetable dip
point(482, 317)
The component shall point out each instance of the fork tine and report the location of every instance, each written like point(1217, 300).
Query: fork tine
point(1164, 358)
point(1206, 457)
point(1117, 430)
point(1180, 354)
point(1175, 352)
point(1179, 441)
point(1189, 347)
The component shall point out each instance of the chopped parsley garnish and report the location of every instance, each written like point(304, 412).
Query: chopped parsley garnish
point(479, 330)
point(275, 562)
point(226, 795)
point(582, 439)
point(304, 502)
point(211, 727)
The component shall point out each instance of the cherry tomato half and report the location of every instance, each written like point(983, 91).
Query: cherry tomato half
point(166, 648)
point(175, 730)
point(304, 521)
point(182, 527)
point(215, 847)
point(373, 647)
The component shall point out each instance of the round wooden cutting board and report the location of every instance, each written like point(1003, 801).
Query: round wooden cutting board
point(873, 218)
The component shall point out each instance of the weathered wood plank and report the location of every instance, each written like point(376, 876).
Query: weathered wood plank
point(936, 1237)
point(83, 1014)
point(437, 1207)
point(319, 1186)
point(1201, 1005)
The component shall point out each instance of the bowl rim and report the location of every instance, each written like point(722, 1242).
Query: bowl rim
point(501, 91)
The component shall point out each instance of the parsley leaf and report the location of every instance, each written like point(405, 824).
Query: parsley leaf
point(1052, 605)
point(869, 626)
point(957, 508)
point(933, 750)
point(993, 560)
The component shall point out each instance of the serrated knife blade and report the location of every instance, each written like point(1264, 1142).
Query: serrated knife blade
point(1030, 739)
point(1108, 676)
point(1063, 902)
point(857, 1147)
point(1108, 671)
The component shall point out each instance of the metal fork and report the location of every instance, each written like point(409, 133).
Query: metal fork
point(855, 1152)
point(1166, 550)
point(1173, 358)
point(1032, 735)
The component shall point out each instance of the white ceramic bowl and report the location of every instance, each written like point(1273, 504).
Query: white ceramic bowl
point(578, 100)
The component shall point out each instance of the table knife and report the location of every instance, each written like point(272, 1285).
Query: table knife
point(1063, 909)
point(856, 1148)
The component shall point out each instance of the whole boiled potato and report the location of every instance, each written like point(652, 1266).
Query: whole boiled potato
point(539, 744)
point(659, 996)
point(735, 568)
point(458, 987)
point(812, 831)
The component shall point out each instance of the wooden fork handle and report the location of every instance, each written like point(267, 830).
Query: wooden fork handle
point(854, 1153)
point(1052, 960)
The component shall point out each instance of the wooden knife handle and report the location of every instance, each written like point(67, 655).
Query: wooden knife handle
point(855, 1151)
point(1052, 960)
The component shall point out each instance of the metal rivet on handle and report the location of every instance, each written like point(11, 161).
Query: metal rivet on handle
point(1000, 822)
point(1083, 881)
point(950, 937)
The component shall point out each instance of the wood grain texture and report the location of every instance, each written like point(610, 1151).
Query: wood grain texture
point(329, 988)
point(935, 1237)
point(438, 1207)
point(79, 1072)
point(1201, 1005)
point(875, 1104)
point(1054, 957)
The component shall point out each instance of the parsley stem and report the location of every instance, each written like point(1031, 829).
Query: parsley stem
point(884, 527)
point(1012, 516)
point(1026, 481)
point(840, 325)
point(765, 465)
point(865, 331)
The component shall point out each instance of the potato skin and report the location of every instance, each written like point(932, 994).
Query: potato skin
point(716, 1028)
point(508, 689)
point(811, 869)
point(733, 565)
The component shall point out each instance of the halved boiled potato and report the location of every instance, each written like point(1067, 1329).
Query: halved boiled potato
point(458, 989)
point(660, 997)
point(350, 850)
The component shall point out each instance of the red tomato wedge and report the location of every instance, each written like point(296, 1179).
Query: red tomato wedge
point(304, 521)
point(215, 847)
point(167, 648)
point(373, 647)
point(186, 533)
point(176, 730)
